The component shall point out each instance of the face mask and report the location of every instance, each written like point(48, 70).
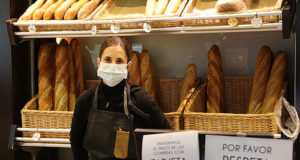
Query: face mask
point(112, 74)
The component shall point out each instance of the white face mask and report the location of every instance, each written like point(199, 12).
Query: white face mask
point(112, 74)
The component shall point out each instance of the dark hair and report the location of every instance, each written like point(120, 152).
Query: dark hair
point(116, 41)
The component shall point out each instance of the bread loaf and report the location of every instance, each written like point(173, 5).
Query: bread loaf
point(150, 6)
point(61, 92)
point(231, 5)
point(38, 14)
point(79, 83)
point(46, 76)
point(134, 73)
point(147, 75)
point(49, 13)
point(275, 82)
point(260, 80)
point(30, 10)
point(189, 80)
point(72, 76)
point(172, 7)
point(61, 10)
point(215, 82)
point(160, 7)
point(99, 10)
point(72, 12)
point(88, 8)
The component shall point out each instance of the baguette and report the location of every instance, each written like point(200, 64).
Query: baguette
point(30, 10)
point(61, 10)
point(275, 82)
point(49, 13)
point(147, 75)
point(38, 14)
point(72, 87)
point(46, 75)
point(72, 12)
point(160, 7)
point(189, 80)
point(61, 91)
point(260, 80)
point(99, 10)
point(215, 82)
point(88, 8)
point(79, 82)
point(230, 5)
point(150, 6)
point(172, 7)
point(134, 73)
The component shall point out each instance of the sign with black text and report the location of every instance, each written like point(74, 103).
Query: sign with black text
point(244, 148)
point(171, 146)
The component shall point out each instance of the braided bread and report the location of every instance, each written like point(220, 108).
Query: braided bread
point(147, 75)
point(134, 73)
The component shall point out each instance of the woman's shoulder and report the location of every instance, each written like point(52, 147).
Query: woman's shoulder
point(140, 95)
point(86, 95)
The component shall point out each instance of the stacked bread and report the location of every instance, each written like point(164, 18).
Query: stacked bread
point(162, 7)
point(233, 5)
point(58, 76)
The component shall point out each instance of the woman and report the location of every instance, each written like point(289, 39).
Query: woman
point(99, 123)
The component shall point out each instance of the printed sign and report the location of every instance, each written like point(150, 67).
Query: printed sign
point(244, 148)
point(171, 146)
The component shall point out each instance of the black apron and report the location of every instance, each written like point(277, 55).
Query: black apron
point(104, 126)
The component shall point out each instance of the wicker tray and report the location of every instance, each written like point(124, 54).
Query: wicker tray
point(229, 122)
point(199, 7)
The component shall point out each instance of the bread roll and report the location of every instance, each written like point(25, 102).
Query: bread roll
point(275, 82)
point(88, 8)
point(189, 80)
point(79, 82)
point(147, 75)
point(150, 6)
point(72, 76)
point(72, 12)
point(230, 5)
point(260, 80)
point(61, 10)
point(46, 76)
point(30, 10)
point(61, 92)
point(160, 7)
point(134, 73)
point(215, 82)
point(172, 7)
point(49, 13)
point(38, 14)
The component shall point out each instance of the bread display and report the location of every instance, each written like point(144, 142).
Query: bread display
point(147, 75)
point(97, 13)
point(134, 73)
point(61, 10)
point(275, 82)
point(160, 7)
point(78, 66)
point(172, 7)
point(150, 6)
point(38, 14)
point(189, 80)
point(215, 82)
point(30, 10)
point(232, 5)
point(46, 76)
point(260, 80)
point(71, 13)
point(72, 77)
point(88, 8)
point(61, 91)
point(49, 13)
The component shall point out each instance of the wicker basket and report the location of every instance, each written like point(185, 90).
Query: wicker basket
point(200, 8)
point(33, 118)
point(236, 100)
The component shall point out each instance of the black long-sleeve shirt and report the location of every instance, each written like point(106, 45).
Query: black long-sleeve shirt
point(111, 99)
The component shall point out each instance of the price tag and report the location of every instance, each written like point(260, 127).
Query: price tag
point(94, 30)
point(115, 28)
point(147, 27)
point(233, 21)
point(36, 136)
point(31, 28)
point(256, 22)
point(171, 146)
point(244, 148)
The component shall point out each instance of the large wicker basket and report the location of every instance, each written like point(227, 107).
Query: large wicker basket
point(237, 93)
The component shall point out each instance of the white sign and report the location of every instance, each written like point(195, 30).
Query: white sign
point(243, 148)
point(171, 146)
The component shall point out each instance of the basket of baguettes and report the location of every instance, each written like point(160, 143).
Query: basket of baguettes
point(60, 82)
point(97, 10)
point(213, 8)
point(171, 95)
point(238, 104)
